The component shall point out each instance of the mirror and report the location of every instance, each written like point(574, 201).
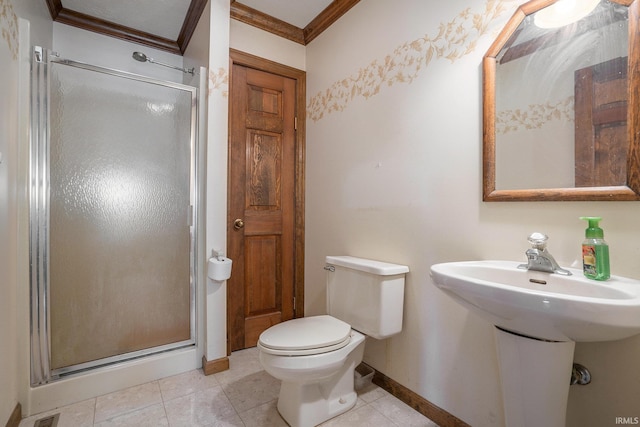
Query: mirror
point(561, 104)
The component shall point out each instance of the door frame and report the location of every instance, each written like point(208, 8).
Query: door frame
point(237, 57)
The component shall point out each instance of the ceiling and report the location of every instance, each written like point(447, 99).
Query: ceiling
point(169, 24)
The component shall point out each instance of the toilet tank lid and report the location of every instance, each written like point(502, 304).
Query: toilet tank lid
point(368, 265)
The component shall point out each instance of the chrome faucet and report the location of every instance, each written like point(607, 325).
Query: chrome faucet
point(539, 259)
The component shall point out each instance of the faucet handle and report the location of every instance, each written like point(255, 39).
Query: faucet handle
point(538, 240)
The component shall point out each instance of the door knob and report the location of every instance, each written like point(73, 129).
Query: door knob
point(238, 224)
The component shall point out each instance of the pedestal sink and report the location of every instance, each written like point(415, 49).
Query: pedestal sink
point(539, 317)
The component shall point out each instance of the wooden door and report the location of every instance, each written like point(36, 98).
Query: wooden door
point(261, 210)
point(601, 124)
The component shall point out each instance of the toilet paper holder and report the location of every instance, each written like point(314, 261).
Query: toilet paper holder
point(219, 267)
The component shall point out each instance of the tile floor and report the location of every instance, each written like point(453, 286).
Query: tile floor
point(244, 395)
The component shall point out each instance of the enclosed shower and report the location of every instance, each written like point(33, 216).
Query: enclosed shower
point(113, 214)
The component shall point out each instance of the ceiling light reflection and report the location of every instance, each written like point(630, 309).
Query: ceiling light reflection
point(564, 12)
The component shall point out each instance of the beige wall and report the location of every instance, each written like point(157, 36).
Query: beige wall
point(216, 192)
point(251, 40)
point(394, 173)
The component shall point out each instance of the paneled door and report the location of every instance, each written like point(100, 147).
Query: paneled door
point(601, 139)
point(261, 210)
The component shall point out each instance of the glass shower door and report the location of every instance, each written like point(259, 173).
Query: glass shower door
point(117, 205)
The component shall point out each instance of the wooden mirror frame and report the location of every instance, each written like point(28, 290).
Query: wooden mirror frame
point(630, 191)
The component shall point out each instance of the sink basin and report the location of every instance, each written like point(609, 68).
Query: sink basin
point(543, 305)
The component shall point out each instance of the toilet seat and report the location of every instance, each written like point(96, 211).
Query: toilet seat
point(305, 336)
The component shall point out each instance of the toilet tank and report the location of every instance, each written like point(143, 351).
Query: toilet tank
point(367, 294)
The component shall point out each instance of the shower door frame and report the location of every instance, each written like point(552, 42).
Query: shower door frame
point(39, 190)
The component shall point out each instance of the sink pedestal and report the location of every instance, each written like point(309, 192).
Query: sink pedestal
point(535, 378)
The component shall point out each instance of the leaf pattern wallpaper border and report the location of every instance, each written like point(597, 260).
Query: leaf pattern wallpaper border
point(535, 116)
point(9, 27)
point(453, 40)
point(219, 81)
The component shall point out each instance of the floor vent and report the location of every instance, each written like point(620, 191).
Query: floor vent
point(50, 421)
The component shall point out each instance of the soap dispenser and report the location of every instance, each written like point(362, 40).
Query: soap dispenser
point(595, 251)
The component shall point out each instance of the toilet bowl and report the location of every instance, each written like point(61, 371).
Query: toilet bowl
point(317, 382)
point(315, 357)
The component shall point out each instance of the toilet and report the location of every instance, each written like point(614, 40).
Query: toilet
point(315, 357)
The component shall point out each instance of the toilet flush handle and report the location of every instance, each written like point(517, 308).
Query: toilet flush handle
point(238, 224)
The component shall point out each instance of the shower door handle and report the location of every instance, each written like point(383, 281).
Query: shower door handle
point(238, 224)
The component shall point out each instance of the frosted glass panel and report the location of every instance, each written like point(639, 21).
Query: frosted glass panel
point(119, 243)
